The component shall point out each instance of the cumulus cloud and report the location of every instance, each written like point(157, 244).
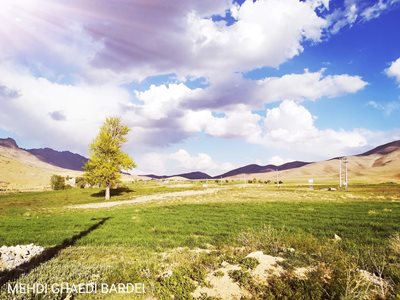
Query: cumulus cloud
point(234, 89)
point(80, 58)
point(278, 161)
point(261, 31)
point(131, 40)
point(394, 70)
point(291, 126)
point(158, 117)
point(81, 107)
point(309, 85)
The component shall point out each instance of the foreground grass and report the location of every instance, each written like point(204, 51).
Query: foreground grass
point(195, 225)
point(27, 202)
point(130, 241)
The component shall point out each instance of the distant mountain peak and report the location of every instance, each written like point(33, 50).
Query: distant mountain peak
point(62, 159)
point(8, 143)
point(190, 176)
point(254, 168)
point(383, 149)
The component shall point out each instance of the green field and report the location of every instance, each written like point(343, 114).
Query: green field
point(127, 244)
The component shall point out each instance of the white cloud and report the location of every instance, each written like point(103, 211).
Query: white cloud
point(290, 122)
point(394, 70)
point(80, 53)
point(356, 11)
point(309, 85)
point(230, 90)
point(261, 30)
point(93, 41)
point(237, 122)
point(278, 161)
point(160, 118)
point(291, 127)
point(387, 107)
point(342, 17)
point(374, 11)
point(159, 101)
point(80, 109)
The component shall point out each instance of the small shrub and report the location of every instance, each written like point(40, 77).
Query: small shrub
point(264, 238)
point(57, 182)
point(80, 182)
point(181, 284)
point(249, 263)
point(394, 243)
point(243, 278)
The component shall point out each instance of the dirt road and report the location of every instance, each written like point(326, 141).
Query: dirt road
point(143, 199)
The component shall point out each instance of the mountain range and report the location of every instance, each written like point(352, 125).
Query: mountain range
point(382, 162)
point(73, 161)
point(62, 159)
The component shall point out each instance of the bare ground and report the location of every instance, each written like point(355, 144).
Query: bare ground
point(143, 199)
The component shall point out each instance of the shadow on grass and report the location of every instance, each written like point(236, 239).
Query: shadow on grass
point(46, 255)
point(113, 192)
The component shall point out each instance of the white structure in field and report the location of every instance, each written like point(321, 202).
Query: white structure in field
point(343, 160)
point(311, 183)
point(277, 178)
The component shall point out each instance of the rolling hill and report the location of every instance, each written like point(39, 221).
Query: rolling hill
point(21, 170)
point(31, 169)
point(62, 159)
point(254, 169)
point(192, 176)
point(381, 164)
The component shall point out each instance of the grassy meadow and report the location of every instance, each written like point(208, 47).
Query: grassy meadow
point(137, 243)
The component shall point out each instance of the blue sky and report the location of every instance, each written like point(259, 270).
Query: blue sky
point(203, 85)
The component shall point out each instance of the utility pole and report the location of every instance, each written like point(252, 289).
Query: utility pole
point(340, 172)
point(346, 178)
point(344, 183)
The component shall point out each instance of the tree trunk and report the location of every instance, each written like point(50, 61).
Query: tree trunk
point(108, 192)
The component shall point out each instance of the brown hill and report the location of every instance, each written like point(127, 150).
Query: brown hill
point(62, 159)
point(20, 170)
point(381, 164)
point(253, 169)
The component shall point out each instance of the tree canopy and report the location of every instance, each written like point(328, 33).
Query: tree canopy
point(106, 157)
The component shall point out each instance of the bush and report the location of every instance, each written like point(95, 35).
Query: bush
point(394, 243)
point(57, 182)
point(80, 182)
point(249, 263)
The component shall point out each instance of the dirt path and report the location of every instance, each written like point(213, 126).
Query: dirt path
point(143, 199)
